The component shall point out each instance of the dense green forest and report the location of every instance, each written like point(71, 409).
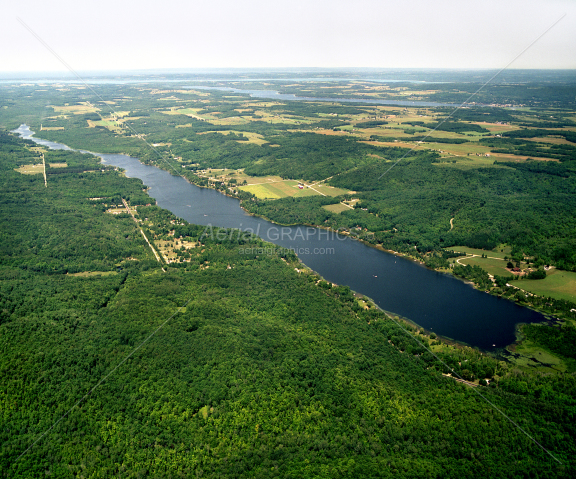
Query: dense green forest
point(267, 372)
point(526, 204)
point(255, 369)
point(530, 206)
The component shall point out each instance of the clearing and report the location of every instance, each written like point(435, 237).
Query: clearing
point(86, 274)
point(337, 208)
point(282, 188)
point(84, 107)
point(529, 354)
point(493, 266)
point(558, 284)
point(30, 169)
point(253, 138)
point(480, 252)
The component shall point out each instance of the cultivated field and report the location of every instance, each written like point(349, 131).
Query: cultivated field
point(493, 253)
point(253, 138)
point(557, 284)
point(31, 169)
point(274, 189)
point(337, 208)
point(490, 265)
point(280, 189)
point(79, 109)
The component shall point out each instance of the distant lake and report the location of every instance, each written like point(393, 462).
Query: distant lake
point(125, 80)
point(433, 300)
point(274, 95)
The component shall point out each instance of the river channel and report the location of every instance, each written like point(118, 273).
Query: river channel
point(433, 300)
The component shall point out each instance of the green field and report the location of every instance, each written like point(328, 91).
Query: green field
point(253, 138)
point(558, 284)
point(87, 274)
point(490, 253)
point(285, 188)
point(280, 189)
point(337, 208)
point(495, 264)
point(30, 169)
point(490, 265)
point(329, 190)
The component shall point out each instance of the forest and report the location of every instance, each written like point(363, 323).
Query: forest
point(526, 204)
point(251, 364)
point(254, 369)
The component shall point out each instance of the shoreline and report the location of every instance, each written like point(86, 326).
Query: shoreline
point(379, 247)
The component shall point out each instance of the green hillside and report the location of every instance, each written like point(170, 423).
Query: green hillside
point(228, 364)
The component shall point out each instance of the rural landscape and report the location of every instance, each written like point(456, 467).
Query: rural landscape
point(136, 345)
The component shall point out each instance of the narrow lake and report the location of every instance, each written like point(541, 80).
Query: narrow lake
point(275, 95)
point(435, 301)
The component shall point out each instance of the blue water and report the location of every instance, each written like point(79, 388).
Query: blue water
point(435, 301)
point(274, 95)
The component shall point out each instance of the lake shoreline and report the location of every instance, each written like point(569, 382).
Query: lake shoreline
point(408, 286)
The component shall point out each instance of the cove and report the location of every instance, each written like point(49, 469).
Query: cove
point(433, 300)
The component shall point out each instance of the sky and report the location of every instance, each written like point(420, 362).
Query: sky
point(126, 34)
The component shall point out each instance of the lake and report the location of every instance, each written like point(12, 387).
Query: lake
point(275, 95)
point(433, 300)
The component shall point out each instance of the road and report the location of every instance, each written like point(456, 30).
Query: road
point(141, 231)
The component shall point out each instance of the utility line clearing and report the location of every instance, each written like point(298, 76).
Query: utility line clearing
point(141, 231)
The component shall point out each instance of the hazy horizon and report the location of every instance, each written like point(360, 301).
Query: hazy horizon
point(412, 34)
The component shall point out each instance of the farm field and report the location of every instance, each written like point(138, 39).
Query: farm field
point(280, 189)
point(31, 169)
point(337, 208)
point(491, 266)
point(78, 109)
point(253, 138)
point(480, 252)
point(557, 284)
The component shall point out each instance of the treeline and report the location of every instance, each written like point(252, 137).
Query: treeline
point(559, 340)
point(60, 230)
point(500, 286)
point(531, 148)
point(254, 368)
point(473, 273)
point(534, 133)
point(371, 124)
point(428, 139)
point(451, 126)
